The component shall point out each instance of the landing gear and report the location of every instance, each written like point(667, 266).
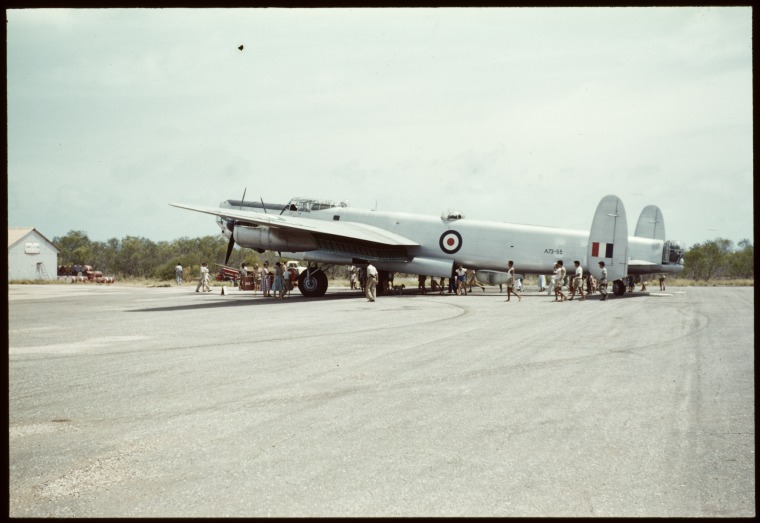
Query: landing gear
point(312, 283)
point(618, 287)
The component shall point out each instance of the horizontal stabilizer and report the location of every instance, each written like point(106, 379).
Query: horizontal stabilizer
point(641, 263)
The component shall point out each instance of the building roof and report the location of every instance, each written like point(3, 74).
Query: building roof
point(16, 234)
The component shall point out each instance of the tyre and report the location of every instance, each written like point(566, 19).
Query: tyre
point(312, 284)
point(618, 287)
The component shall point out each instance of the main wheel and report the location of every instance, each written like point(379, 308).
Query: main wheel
point(312, 284)
point(618, 287)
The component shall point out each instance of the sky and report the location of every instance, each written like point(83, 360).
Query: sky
point(521, 115)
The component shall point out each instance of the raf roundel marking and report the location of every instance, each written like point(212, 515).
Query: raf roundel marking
point(450, 242)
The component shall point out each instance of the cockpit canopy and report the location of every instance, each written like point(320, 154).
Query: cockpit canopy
point(449, 215)
point(312, 204)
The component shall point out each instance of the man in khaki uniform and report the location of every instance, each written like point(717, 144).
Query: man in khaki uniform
point(371, 282)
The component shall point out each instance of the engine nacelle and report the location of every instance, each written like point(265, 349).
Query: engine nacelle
point(271, 239)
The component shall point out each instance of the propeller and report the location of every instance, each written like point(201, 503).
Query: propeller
point(231, 227)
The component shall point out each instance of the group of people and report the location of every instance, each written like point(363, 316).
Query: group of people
point(575, 283)
point(461, 278)
point(273, 282)
point(280, 279)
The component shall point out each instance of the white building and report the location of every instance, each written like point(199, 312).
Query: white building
point(31, 256)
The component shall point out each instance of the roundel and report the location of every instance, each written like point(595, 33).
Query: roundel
point(450, 242)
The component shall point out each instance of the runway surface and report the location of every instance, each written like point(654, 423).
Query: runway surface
point(160, 402)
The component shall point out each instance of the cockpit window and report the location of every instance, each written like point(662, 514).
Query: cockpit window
point(311, 204)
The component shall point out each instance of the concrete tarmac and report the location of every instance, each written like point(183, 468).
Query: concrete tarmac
point(160, 402)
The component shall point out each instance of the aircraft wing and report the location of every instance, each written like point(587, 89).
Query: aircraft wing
point(341, 230)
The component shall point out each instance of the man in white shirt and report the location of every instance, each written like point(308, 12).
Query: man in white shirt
point(371, 282)
point(602, 284)
point(578, 280)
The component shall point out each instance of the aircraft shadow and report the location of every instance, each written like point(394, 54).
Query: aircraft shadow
point(239, 300)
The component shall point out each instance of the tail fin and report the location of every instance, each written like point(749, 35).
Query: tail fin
point(651, 224)
point(608, 240)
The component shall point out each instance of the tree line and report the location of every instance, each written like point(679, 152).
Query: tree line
point(137, 257)
point(718, 258)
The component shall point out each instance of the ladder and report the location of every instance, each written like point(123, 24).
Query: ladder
point(42, 273)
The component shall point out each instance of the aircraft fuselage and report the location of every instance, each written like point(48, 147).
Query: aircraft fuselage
point(446, 242)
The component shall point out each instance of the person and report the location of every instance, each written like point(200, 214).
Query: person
point(278, 285)
point(242, 273)
point(371, 282)
point(363, 279)
point(541, 283)
point(265, 279)
point(433, 284)
point(662, 282)
point(256, 277)
point(461, 273)
point(352, 277)
point(589, 284)
point(389, 283)
point(560, 272)
point(472, 280)
point(630, 283)
point(643, 283)
point(178, 273)
point(287, 276)
point(203, 281)
point(519, 281)
point(453, 280)
point(441, 285)
point(421, 283)
point(578, 281)
point(603, 282)
point(511, 281)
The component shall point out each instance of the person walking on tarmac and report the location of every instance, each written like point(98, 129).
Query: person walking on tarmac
point(578, 281)
point(560, 272)
point(178, 273)
point(371, 282)
point(603, 281)
point(511, 281)
point(461, 274)
point(203, 281)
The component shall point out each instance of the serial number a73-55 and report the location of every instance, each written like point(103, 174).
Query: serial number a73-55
point(552, 251)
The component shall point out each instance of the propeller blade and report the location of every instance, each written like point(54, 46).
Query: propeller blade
point(262, 204)
point(243, 198)
point(230, 245)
